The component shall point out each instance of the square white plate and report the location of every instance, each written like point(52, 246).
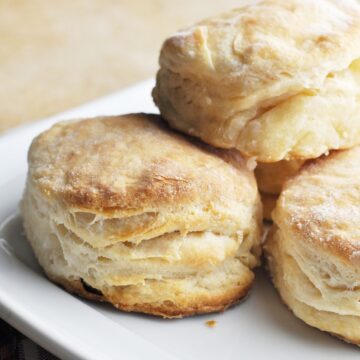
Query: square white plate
point(261, 327)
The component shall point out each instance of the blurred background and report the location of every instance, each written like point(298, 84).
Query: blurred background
point(55, 55)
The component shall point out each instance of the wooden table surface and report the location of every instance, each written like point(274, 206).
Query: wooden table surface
point(58, 54)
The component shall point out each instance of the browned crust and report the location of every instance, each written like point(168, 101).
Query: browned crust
point(167, 309)
point(77, 162)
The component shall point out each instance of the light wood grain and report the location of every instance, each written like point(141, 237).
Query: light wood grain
point(58, 54)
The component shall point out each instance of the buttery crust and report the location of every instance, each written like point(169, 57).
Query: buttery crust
point(122, 209)
point(122, 299)
point(277, 80)
point(313, 251)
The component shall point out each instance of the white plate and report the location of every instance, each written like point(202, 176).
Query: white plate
point(71, 328)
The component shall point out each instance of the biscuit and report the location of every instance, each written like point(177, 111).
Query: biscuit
point(277, 80)
point(270, 179)
point(124, 210)
point(313, 250)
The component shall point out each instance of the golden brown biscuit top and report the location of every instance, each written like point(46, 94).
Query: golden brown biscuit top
point(270, 48)
point(322, 205)
point(134, 163)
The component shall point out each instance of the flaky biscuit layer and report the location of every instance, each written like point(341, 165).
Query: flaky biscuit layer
point(123, 209)
point(313, 250)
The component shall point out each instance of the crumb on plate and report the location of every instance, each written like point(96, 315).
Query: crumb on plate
point(211, 323)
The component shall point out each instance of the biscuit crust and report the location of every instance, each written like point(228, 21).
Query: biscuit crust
point(313, 248)
point(127, 298)
point(244, 78)
point(123, 209)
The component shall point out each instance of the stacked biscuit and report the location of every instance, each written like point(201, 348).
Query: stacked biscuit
point(124, 209)
point(280, 82)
